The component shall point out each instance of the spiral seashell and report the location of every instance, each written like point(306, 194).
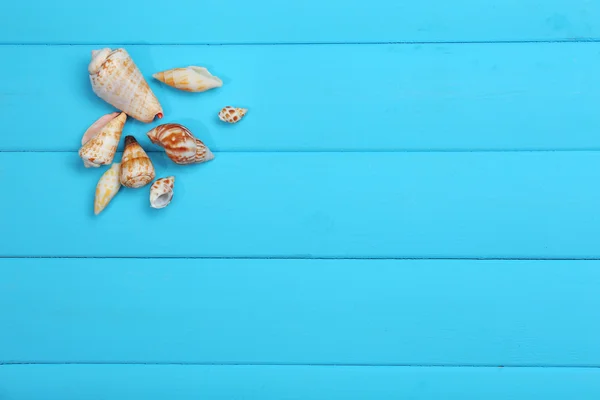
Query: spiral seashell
point(117, 80)
point(189, 79)
point(161, 192)
point(107, 187)
point(136, 168)
point(231, 114)
point(179, 144)
point(100, 141)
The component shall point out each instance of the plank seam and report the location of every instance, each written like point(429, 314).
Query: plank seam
point(400, 365)
point(362, 151)
point(333, 258)
point(451, 42)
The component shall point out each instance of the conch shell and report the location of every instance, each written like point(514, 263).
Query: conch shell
point(179, 144)
point(107, 187)
point(190, 79)
point(100, 141)
point(117, 80)
point(161, 192)
point(231, 114)
point(136, 168)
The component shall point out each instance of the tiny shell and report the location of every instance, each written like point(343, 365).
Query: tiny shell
point(136, 168)
point(231, 114)
point(189, 79)
point(161, 192)
point(117, 80)
point(107, 187)
point(100, 141)
point(179, 144)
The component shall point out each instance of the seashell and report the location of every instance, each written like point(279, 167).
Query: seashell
point(117, 80)
point(161, 192)
point(100, 141)
point(136, 168)
point(179, 144)
point(231, 114)
point(190, 79)
point(107, 187)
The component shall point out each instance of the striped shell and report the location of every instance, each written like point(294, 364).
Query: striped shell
point(100, 141)
point(161, 192)
point(136, 168)
point(179, 144)
point(107, 187)
point(117, 80)
point(189, 79)
point(231, 114)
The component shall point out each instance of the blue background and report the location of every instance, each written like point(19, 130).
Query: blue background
point(410, 208)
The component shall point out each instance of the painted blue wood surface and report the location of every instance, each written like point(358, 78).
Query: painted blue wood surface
point(528, 96)
point(315, 21)
point(365, 312)
point(367, 205)
point(464, 130)
point(100, 382)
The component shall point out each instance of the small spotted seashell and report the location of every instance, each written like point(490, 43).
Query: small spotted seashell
point(231, 114)
point(107, 187)
point(161, 192)
point(136, 168)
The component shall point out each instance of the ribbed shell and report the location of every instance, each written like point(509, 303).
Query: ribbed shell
point(180, 144)
point(189, 79)
point(107, 187)
point(136, 168)
point(231, 114)
point(101, 148)
point(161, 192)
point(117, 80)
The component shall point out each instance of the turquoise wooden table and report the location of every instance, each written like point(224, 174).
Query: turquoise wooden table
point(410, 208)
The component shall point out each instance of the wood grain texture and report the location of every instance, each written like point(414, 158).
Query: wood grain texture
point(327, 98)
point(267, 21)
point(132, 382)
point(366, 205)
point(368, 312)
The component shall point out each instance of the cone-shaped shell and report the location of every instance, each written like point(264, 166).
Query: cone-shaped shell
point(161, 192)
point(117, 80)
point(231, 114)
point(190, 79)
point(136, 168)
point(101, 139)
point(107, 187)
point(179, 144)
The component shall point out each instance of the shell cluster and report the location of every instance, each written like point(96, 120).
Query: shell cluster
point(116, 79)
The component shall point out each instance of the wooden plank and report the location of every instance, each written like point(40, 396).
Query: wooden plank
point(366, 205)
point(327, 98)
point(152, 382)
point(362, 312)
point(267, 21)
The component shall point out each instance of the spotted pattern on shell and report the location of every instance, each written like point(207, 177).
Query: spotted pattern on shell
point(136, 168)
point(181, 146)
point(232, 114)
point(161, 192)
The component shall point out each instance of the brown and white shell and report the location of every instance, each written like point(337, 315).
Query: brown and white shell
point(100, 141)
point(107, 187)
point(136, 168)
point(231, 114)
point(180, 144)
point(161, 192)
point(189, 79)
point(117, 80)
